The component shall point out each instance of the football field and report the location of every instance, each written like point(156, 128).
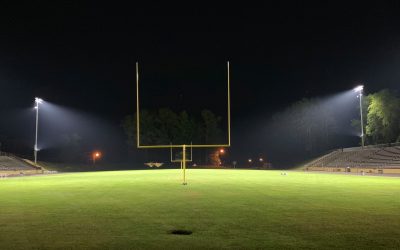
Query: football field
point(243, 209)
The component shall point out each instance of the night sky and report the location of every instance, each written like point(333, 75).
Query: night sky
point(83, 56)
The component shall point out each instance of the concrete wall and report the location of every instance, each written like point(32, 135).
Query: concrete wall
point(357, 170)
point(4, 173)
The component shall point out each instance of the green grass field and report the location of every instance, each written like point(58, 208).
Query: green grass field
point(243, 209)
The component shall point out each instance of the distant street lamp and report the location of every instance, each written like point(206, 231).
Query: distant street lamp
point(219, 153)
point(96, 155)
point(359, 90)
point(37, 102)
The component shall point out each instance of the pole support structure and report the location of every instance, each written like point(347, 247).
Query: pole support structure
point(362, 121)
point(36, 132)
point(184, 163)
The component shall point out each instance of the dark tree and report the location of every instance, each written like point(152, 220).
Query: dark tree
point(165, 127)
point(383, 118)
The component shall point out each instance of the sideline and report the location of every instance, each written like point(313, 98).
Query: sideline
point(355, 174)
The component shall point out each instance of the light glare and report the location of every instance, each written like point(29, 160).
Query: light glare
point(96, 154)
point(358, 88)
point(38, 100)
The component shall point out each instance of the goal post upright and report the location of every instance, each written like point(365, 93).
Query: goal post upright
point(137, 107)
point(229, 102)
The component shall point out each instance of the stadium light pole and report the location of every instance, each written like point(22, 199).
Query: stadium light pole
point(359, 90)
point(37, 102)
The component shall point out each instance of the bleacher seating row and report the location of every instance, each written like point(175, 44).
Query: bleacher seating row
point(371, 157)
point(10, 163)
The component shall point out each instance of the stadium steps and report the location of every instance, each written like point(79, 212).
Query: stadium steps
point(374, 157)
point(322, 159)
point(12, 163)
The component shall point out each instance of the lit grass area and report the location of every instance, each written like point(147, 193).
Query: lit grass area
point(243, 209)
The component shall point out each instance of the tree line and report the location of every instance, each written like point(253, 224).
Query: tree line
point(306, 128)
point(165, 126)
point(315, 123)
point(313, 126)
point(382, 112)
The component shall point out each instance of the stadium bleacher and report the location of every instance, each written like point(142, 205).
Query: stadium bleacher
point(10, 163)
point(13, 165)
point(373, 159)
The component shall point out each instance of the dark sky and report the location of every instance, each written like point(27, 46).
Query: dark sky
point(83, 55)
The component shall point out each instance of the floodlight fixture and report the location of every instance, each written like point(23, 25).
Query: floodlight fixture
point(359, 88)
point(38, 100)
